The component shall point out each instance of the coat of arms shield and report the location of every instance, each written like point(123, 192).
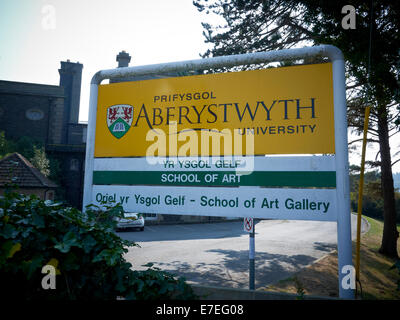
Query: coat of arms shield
point(119, 119)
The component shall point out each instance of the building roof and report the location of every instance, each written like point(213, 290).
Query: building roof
point(32, 89)
point(16, 169)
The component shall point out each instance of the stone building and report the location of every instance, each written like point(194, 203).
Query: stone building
point(50, 114)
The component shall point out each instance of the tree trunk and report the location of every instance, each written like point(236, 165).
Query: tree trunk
point(390, 233)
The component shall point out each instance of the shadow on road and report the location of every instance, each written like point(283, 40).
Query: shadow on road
point(234, 268)
point(326, 247)
point(186, 232)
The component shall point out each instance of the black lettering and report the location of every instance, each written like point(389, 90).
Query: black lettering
point(272, 130)
point(157, 116)
point(169, 115)
point(266, 109)
point(225, 105)
point(250, 131)
point(183, 115)
point(281, 129)
point(312, 107)
point(205, 95)
point(247, 107)
point(211, 112)
point(143, 110)
point(243, 131)
point(264, 130)
point(286, 102)
point(199, 114)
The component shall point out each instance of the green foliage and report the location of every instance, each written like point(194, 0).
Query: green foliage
point(30, 148)
point(299, 289)
point(34, 151)
point(3, 143)
point(40, 161)
point(153, 284)
point(371, 51)
point(23, 145)
point(372, 195)
point(373, 205)
point(84, 249)
point(6, 146)
point(256, 25)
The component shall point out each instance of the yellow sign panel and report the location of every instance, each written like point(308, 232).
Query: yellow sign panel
point(285, 110)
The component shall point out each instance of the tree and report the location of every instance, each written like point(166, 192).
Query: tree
point(34, 151)
point(371, 51)
point(40, 161)
point(23, 145)
point(29, 148)
point(5, 145)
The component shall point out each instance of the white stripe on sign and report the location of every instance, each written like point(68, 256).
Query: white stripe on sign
point(271, 203)
point(228, 163)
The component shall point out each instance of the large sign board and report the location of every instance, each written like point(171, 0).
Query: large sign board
point(268, 143)
point(283, 110)
point(287, 110)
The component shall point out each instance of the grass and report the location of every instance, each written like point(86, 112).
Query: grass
point(321, 278)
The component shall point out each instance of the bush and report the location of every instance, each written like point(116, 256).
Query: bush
point(83, 248)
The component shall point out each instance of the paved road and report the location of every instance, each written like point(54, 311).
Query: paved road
point(217, 253)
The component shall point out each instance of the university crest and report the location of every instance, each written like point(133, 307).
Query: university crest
point(119, 119)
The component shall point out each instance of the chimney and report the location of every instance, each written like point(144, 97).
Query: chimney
point(123, 59)
point(70, 79)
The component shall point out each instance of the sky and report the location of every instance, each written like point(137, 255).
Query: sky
point(35, 35)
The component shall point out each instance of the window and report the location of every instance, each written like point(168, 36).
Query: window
point(34, 114)
point(74, 165)
point(49, 195)
point(150, 216)
point(119, 127)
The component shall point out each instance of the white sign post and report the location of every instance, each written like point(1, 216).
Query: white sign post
point(296, 188)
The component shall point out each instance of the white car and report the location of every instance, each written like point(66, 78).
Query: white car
point(131, 220)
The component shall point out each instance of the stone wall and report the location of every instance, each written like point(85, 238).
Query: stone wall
point(27, 109)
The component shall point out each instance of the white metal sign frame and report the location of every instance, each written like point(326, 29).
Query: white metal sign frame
point(341, 150)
